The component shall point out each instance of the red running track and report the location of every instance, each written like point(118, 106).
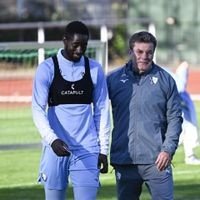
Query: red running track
point(22, 86)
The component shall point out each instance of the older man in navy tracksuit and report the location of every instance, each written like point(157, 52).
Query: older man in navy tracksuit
point(147, 123)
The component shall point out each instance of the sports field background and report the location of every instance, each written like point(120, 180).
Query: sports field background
point(19, 161)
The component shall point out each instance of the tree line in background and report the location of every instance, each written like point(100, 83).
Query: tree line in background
point(177, 23)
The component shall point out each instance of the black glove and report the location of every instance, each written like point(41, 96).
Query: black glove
point(103, 163)
point(60, 148)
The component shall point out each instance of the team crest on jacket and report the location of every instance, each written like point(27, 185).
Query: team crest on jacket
point(153, 80)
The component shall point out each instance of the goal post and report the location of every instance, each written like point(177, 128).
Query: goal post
point(34, 52)
point(24, 56)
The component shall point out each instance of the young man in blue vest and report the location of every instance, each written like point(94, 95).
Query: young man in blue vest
point(70, 108)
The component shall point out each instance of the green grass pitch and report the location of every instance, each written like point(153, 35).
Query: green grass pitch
point(19, 168)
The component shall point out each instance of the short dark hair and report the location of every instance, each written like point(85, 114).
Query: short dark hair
point(76, 27)
point(142, 36)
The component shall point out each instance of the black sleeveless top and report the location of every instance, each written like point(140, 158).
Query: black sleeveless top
point(62, 91)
